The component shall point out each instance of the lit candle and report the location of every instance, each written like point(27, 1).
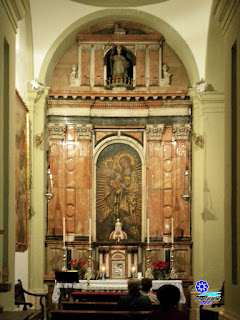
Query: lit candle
point(90, 231)
point(172, 232)
point(103, 269)
point(147, 231)
point(64, 230)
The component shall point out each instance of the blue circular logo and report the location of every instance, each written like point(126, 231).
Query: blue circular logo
point(201, 286)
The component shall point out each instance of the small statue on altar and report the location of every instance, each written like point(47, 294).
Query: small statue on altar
point(118, 234)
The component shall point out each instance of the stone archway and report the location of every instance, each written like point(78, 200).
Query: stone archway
point(172, 37)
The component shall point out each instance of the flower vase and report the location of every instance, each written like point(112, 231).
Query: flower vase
point(160, 274)
point(80, 274)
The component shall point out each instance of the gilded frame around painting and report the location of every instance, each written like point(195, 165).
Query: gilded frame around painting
point(119, 192)
point(22, 195)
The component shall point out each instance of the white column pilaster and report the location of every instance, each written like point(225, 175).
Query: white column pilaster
point(92, 66)
point(207, 218)
point(147, 72)
point(37, 112)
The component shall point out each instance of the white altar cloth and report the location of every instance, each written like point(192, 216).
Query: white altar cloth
point(111, 285)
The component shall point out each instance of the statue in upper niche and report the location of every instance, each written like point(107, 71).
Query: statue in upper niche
point(119, 30)
point(119, 64)
point(165, 81)
point(74, 81)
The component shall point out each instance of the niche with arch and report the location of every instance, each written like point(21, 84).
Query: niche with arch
point(119, 61)
point(118, 191)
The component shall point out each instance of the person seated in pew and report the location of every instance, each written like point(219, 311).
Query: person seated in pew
point(134, 300)
point(146, 286)
point(168, 296)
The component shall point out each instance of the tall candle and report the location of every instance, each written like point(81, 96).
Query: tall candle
point(147, 231)
point(90, 231)
point(64, 230)
point(172, 232)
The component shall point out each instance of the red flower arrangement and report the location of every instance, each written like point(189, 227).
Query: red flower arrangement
point(160, 269)
point(160, 265)
point(76, 263)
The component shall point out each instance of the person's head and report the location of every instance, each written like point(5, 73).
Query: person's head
point(168, 295)
point(125, 162)
point(146, 284)
point(110, 164)
point(134, 286)
point(119, 49)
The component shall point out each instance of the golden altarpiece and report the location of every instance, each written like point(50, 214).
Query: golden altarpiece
point(119, 125)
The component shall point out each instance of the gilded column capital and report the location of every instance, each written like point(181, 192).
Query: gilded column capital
point(57, 130)
point(154, 131)
point(84, 131)
point(181, 131)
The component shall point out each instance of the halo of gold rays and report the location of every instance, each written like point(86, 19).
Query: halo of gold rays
point(119, 155)
point(102, 210)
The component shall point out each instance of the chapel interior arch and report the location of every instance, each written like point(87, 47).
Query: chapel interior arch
point(154, 111)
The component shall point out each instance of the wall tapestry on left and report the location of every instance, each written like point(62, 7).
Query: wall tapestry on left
point(22, 175)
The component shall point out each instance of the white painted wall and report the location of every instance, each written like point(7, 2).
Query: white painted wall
point(24, 66)
point(21, 268)
point(189, 17)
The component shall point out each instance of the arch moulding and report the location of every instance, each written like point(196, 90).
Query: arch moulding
point(96, 152)
point(172, 37)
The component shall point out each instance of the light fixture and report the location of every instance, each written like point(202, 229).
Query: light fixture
point(186, 196)
point(49, 193)
point(103, 272)
point(133, 271)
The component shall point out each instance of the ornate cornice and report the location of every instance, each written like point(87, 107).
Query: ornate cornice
point(15, 10)
point(154, 131)
point(120, 38)
point(57, 130)
point(170, 94)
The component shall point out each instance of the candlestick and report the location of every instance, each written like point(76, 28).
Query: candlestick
point(148, 273)
point(147, 231)
point(64, 239)
point(103, 273)
point(90, 231)
point(172, 232)
point(173, 271)
point(64, 259)
point(133, 271)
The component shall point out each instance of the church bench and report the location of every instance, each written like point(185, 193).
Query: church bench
point(36, 314)
point(16, 315)
point(94, 305)
point(97, 314)
point(97, 296)
point(89, 305)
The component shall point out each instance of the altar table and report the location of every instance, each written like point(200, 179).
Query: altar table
point(111, 286)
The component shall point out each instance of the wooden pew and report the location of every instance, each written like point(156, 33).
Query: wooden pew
point(16, 315)
point(97, 296)
point(97, 314)
point(89, 305)
point(94, 305)
point(20, 300)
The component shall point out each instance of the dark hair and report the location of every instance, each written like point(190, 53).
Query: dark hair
point(134, 286)
point(168, 296)
point(146, 284)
